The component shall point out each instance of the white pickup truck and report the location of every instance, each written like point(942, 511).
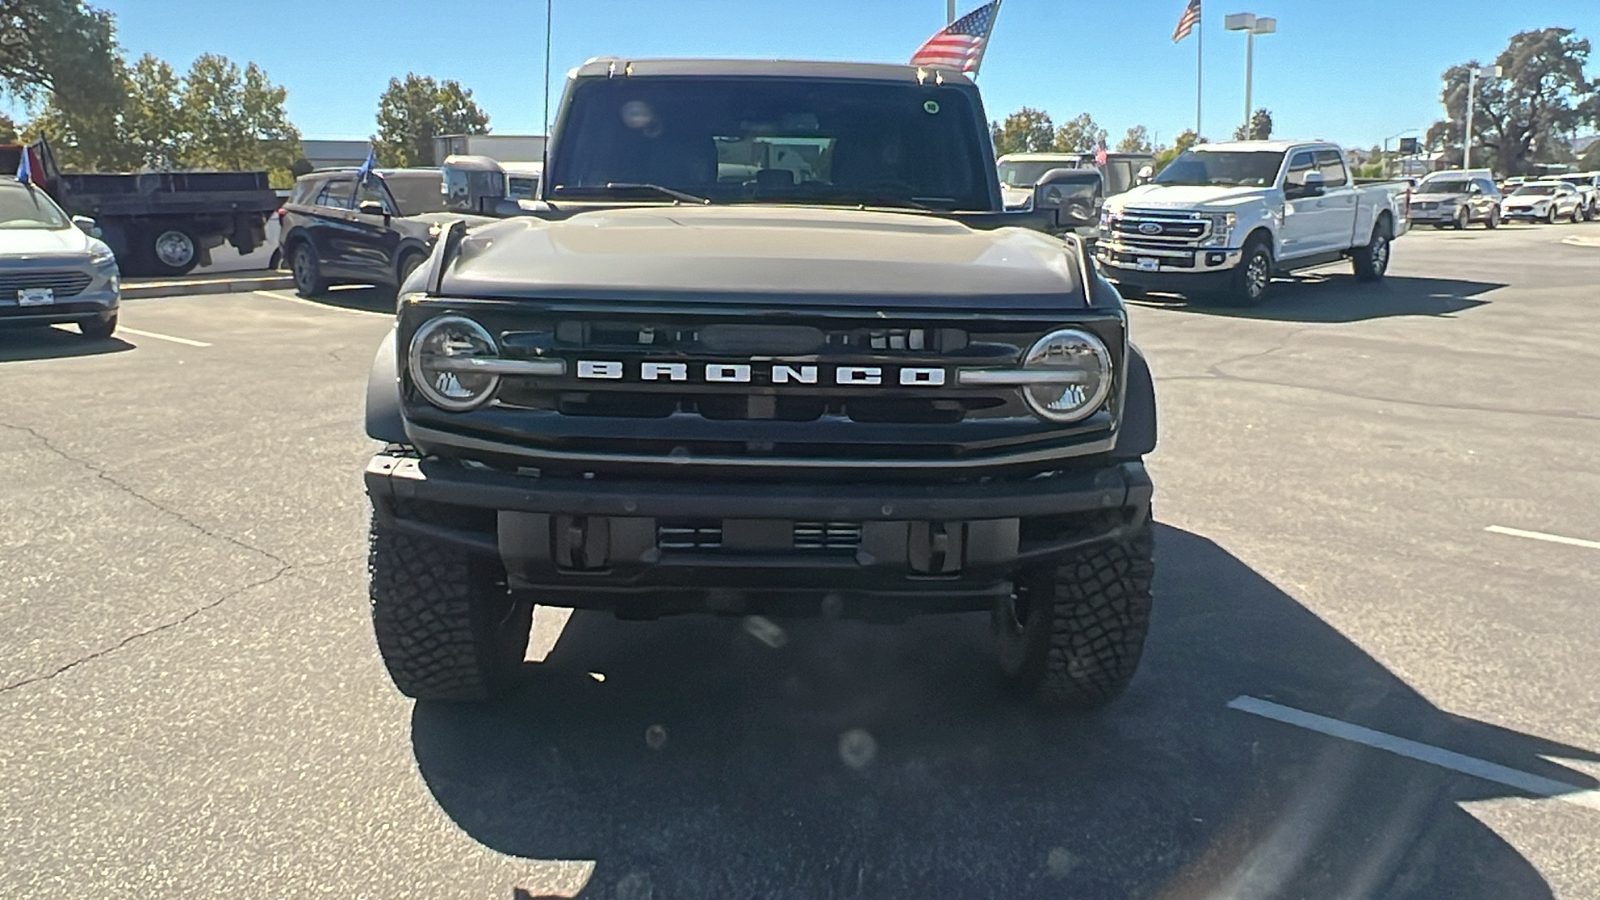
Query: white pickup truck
point(1222, 219)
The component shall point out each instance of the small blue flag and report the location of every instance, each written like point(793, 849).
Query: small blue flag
point(25, 168)
point(368, 166)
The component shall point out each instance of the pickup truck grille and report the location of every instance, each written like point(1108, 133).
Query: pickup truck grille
point(1158, 228)
point(801, 390)
point(64, 284)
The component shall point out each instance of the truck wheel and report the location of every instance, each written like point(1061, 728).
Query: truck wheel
point(1372, 260)
point(171, 251)
point(1072, 636)
point(98, 329)
point(446, 626)
point(1253, 277)
point(307, 272)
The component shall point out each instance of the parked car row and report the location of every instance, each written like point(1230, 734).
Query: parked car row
point(1459, 199)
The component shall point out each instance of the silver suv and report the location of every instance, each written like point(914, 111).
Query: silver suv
point(1456, 199)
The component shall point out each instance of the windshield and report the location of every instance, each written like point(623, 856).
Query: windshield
point(24, 207)
point(417, 192)
point(757, 140)
point(1443, 187)
point(1026, 172)
point(1535, 189)
point(1251, 168)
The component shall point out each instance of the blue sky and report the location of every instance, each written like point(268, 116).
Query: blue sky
point(1354, 71)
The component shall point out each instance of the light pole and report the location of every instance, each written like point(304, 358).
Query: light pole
point(1473, 74)
point(1386, 166)
point(949, 10)
point(1251, 25)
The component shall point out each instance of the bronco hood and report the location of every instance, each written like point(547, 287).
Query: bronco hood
point(771, 255)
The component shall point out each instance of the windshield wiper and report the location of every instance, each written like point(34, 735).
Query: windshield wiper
point(621, 186)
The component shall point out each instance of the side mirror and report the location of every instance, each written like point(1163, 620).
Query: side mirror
point(87, 225)
point(372, 208)
point(1312, 186)
point(1067, 208)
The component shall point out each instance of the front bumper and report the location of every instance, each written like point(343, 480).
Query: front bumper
point(1135, 261)
point(1524, 213)
point(652, 547)
point(99, 300)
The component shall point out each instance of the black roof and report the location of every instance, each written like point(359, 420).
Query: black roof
point(617, 67)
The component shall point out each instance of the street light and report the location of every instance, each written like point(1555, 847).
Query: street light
point(1386, 166)
point(1251, 25)
point(1473, 74)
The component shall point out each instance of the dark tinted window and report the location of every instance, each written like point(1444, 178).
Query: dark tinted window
point(336, 193)
point(752, 139)
point(417, 192)
point(1331, 165)
point(1254, 168)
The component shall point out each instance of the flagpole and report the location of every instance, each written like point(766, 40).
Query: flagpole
point(1199, 67)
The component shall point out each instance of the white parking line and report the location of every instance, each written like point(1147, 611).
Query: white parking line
point(1541, 536)
point(279, 295)
point(123, 329)
point(1526, 782)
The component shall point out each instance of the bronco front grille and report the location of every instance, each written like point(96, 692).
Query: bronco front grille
point(63, 284)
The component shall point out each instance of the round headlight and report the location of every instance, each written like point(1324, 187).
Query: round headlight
point(441, 367)
point(1079, 375)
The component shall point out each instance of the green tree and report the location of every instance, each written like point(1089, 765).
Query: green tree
point(1027, 130)
point(1521, 119)
point(1184, 141)
point(1137, 140)
point(1260, 127)
point(8, 130)
point(63, 51)
point(216, 117)
point(414, 111)
point(1080, 135)
point(232, 119)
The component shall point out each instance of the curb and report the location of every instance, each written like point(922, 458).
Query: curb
point(141, 290)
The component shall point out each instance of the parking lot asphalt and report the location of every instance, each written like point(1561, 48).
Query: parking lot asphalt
point(1353, 687)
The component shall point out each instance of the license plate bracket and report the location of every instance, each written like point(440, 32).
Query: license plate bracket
point(35, 297)
point(1147, 264)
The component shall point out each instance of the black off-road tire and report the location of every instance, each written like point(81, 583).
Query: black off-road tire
point(1071, 637)
point(446, 626)
point(1371, 260)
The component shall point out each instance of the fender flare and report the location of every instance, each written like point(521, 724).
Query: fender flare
point(384, 419)
point(1137, 435)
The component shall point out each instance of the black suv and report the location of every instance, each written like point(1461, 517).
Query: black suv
point(335, 230)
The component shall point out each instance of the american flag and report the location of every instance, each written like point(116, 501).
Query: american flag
point(961, 45)
point(1191, 18)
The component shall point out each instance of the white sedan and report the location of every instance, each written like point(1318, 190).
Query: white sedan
point(1543, 201)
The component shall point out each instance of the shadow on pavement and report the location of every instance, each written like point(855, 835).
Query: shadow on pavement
point(364, 297)
point(1336, 297)
point(21, 344)
point(870, 761)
